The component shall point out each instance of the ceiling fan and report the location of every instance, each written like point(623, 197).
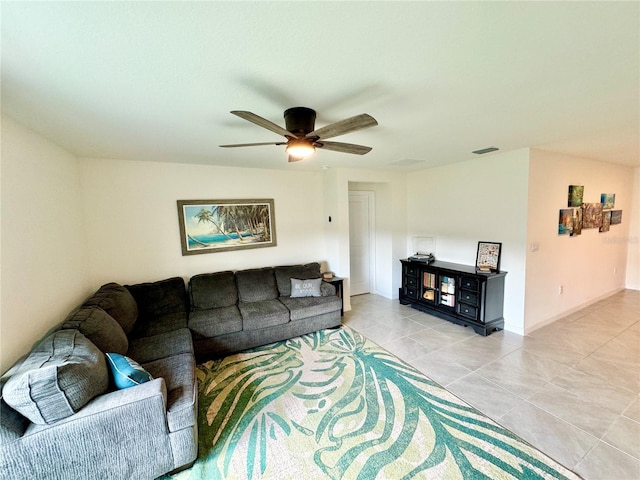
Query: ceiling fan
point(303, 138)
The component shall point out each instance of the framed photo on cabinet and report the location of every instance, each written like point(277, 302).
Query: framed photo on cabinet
point(488, 257)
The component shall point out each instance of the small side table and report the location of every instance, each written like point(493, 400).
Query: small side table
point(338, 283)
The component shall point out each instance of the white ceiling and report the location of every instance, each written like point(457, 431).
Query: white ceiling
point(156, 80)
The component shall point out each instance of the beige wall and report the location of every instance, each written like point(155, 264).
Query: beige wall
point(132, 217)
point(44, 248)
point(588, 266)
point(484, 199)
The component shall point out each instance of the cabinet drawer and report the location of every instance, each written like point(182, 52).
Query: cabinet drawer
point(411, 270)
point(470, 283)
point(411, 281)
point(468, 311)
point(411, 292)
point(470, 298)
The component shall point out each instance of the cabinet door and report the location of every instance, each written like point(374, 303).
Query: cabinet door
point(429, 286)
point(447, 287)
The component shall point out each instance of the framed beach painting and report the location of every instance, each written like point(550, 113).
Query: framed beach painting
point(208, 226)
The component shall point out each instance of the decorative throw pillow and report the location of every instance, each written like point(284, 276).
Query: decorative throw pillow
point(285, 273)
point(305, 288)
point(60, 375)
point(126, 372)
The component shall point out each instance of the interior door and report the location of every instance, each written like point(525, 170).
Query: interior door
point(360, 241)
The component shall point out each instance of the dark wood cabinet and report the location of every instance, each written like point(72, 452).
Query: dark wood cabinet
point(455, 292)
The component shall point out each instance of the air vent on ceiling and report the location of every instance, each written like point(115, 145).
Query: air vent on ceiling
point(485, 150)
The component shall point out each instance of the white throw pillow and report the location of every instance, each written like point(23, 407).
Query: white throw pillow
point(305, 288)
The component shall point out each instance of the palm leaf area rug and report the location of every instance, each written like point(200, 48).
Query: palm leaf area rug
point(334, 405)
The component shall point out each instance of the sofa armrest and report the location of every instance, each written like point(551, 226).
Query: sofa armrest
point(152, 394)
point(112, 436)
point(327, 290)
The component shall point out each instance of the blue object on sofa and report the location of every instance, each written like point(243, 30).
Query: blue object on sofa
point(125, 371)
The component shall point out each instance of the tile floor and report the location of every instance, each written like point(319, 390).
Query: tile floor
point(572, 388)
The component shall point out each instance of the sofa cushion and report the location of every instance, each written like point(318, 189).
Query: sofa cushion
point(179, 375)
point(156, 299)
point(306, 307)
point(284, 274)
point(256, 285)
point(99, 327)
point(159, 325)
point(263, 314)
point(215, 321)
point(117, 302)
point(148, 349)
point(213, 290)
point(126, 372)
point(60, 375)
point(305, 288)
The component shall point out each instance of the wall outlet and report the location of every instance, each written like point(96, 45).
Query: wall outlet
point(560, 289)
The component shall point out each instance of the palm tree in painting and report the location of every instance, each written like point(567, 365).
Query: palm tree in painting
point(228, 214)
point(206, 216)
point(243, 220)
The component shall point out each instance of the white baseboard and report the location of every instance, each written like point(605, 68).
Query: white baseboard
point(575, 309)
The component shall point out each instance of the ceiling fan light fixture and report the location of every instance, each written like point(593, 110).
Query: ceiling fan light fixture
point(302, 138)
point(300, 148)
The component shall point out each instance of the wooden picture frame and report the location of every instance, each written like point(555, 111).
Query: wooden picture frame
point(488, 257)
point(209, 226)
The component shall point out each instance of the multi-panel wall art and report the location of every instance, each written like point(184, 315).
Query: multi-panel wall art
point(582, 214)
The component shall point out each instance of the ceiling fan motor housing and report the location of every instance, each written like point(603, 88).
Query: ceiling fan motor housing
point(300, 120)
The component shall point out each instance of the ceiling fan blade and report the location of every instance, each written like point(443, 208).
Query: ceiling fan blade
point(294, 159)
point(263, 122)
point(343, 147)
point(347, 125)
point(252, 144)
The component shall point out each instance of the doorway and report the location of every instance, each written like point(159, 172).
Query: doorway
point(361, 241)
